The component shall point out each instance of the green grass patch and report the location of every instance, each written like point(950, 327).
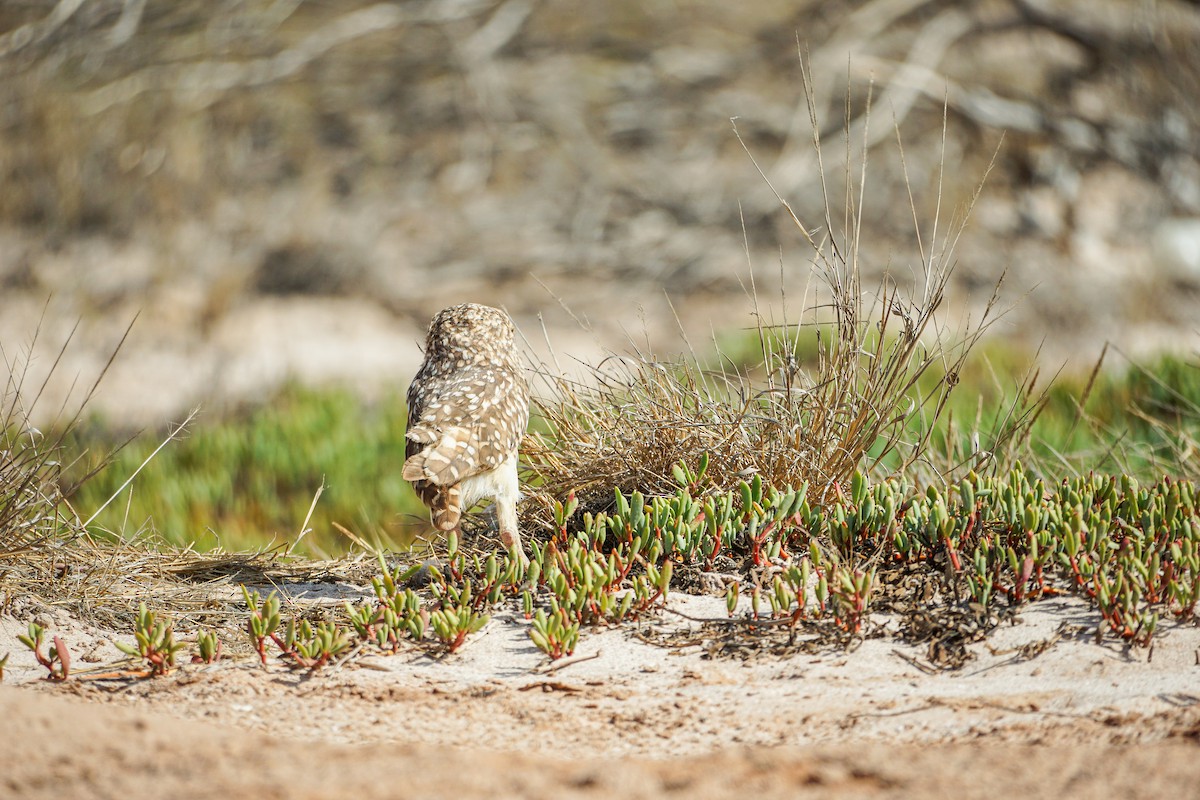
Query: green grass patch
point(1142, 420)
point(248, 480)
point(1138, 418)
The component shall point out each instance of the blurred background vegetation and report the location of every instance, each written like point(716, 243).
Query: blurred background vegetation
point(247, 481)
point(283, 192)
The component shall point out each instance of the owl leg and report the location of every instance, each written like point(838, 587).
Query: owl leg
point(507, 494)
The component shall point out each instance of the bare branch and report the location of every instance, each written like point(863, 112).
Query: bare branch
point(127, 25)
point(205, 81)
point(35, 32)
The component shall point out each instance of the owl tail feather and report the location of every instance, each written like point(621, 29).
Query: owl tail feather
point(446, 519)
point(446, 510)
point(444, 503)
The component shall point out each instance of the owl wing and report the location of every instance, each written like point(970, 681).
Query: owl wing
point(464, 425)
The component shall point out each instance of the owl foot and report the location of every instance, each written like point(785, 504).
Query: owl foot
point(512, 543)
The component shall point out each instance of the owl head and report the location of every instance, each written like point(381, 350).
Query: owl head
point(470, 331)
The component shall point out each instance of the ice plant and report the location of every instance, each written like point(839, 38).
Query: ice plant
point(58, 662)
point(263, 622)
point(311, 647)
point(555, 634)
point(154, 641)
point(208, 648)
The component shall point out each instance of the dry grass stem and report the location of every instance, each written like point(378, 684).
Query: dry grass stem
point(886, 366)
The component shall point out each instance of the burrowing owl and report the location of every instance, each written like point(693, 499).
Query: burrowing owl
point(468, 407)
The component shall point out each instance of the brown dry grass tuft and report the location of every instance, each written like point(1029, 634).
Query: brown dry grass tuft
point(33, 513)
point(882, 379)
point(48, 559)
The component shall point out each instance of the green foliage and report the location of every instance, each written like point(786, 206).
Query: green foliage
point(1143, 420)
point(154, 641)
point(457, 601)
point(452, 624)
point(1002, 535)
point(263, 622)
point(556, 634)
point(1140, 419)
point(1132, 550)
point(58, 662)
point(248, 481)
point(208, 647)
point(301, 644)
point(397, 612)
point(312, 646)
point(454, 611)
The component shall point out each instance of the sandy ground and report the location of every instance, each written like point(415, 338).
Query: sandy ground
point(625, 718)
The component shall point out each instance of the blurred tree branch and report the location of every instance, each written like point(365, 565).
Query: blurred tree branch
point(36, 32)
point(204, 82)
point(1111, 31)
point(127, 25)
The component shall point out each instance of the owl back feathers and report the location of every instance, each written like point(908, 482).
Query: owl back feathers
point(467, 413)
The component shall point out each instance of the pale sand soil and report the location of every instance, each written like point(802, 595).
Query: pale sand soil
point(1080, 719)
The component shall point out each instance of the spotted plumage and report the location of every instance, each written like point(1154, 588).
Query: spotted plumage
point(468, 407)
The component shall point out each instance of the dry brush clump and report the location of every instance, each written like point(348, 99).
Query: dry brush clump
point(31, 509)
point(38, 529)
point(886, 366)
point(47, 553)
point(51, 557)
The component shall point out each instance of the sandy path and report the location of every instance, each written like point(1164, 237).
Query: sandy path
point(635, 721)
point(67, 748)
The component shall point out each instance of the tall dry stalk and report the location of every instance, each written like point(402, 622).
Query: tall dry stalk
point(884, 374)
point(31, 498)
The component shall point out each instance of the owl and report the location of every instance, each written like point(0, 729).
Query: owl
point(468, 407)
